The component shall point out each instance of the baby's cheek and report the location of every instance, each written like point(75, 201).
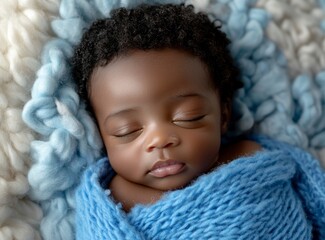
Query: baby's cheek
point(127, 161)
point(204, 148)
point(209, 150)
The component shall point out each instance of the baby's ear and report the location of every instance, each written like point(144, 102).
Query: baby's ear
point(225, 116)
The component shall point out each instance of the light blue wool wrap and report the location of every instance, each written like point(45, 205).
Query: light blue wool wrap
point(291, 110)
point(278, 193)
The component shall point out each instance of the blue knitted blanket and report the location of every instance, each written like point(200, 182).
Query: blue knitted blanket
point(283, 95)
point(279, 193)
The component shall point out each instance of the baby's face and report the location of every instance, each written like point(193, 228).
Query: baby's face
point(159, 117)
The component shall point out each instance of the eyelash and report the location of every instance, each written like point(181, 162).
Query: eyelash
point(191, 120)
point(126, 134)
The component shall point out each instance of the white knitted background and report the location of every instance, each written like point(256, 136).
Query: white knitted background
point(25, 27)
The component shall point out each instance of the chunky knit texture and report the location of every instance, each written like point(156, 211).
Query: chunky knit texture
point(285, 101)
point(279, 193)
point(24, 29)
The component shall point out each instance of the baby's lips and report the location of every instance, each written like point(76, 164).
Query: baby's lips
point(164, 168)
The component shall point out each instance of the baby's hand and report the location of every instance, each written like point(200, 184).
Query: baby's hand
point(130, 193)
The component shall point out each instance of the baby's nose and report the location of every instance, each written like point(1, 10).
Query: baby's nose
point(161, 137)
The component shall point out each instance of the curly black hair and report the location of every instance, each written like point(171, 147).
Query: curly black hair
point(156, 27)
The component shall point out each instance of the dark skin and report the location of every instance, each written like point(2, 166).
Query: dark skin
point(161, 120)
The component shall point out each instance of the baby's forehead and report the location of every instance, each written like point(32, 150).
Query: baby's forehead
point(153, 74)
point(168, 62)
point(159, 72)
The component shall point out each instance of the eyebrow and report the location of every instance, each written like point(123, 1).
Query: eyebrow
point(113, 114)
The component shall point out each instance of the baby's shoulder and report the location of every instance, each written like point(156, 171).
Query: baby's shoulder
point(247, 147)
point(238, 149)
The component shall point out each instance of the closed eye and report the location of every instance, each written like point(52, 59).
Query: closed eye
point(192, 119)
point(127, 134)
point(190, 123)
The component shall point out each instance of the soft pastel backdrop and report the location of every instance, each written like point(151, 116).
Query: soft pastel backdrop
point(278, 44)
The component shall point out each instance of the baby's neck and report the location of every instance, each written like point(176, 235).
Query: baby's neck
point(129, 194)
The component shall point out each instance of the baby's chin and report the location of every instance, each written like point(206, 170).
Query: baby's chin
point(171, 183)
